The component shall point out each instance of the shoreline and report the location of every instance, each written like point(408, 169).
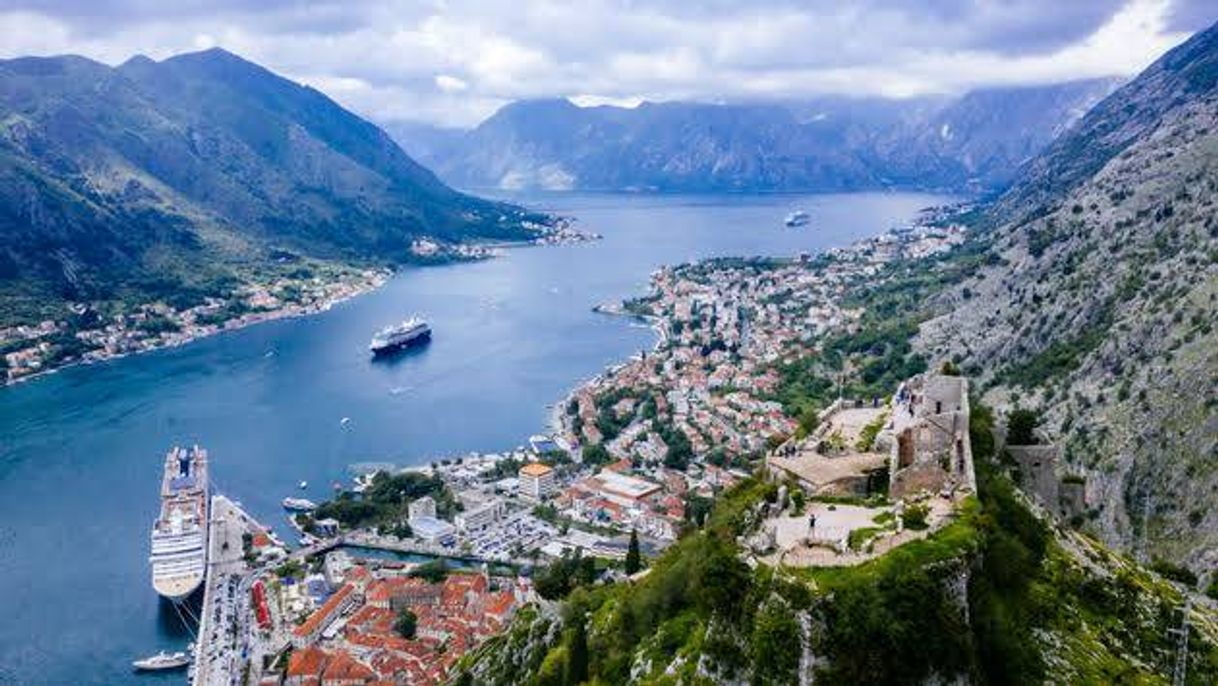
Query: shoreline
point(229, 326)
point(564, 235)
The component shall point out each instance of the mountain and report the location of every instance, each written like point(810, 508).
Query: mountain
point(829, 144)
point(997, 597)
point(1096, 302)
point(1085, 295)
point(157, 176)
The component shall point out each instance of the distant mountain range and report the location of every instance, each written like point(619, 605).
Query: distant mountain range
point(167, 176)
point(975, 142)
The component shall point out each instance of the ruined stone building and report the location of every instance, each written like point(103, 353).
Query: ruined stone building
point(931, 452)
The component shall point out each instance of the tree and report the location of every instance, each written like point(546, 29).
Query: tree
point(634, 560)
point(1021, 427)
point(697, 509)
point(595, 455)
point(915, 516)
point(775, 645)
point(434, 571)
point(797, 501)
point(407, 623)
point(808, 419)
point(575, 670)
point(565, 574)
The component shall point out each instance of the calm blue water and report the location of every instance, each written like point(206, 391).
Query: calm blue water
point(81, 451)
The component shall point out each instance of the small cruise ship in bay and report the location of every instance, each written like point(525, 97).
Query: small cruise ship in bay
point(797, 218)
point(179, 534)
point(410, 332)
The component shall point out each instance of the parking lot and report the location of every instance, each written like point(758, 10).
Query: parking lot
point(517, 533)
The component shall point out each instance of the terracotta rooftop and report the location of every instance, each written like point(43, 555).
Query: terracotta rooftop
point(322, 614)
point(344, 668)
point(307, 661)
point(535, 469)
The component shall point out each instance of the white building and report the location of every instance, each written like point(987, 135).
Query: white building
point(479, 513)
point(433, 531)
point(537, 481)
point(422, 507)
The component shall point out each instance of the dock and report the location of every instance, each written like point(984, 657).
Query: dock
point(223, 639)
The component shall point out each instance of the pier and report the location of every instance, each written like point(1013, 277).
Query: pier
point(223, 637)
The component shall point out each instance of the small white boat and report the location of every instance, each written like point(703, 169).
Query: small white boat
point(298, 504)
point(363, 481)
point(162, 660)
point(797, 218)
point(304, 484)
point(345, 421)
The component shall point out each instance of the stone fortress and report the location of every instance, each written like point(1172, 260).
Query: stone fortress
point(865, 470)
point(932, 452)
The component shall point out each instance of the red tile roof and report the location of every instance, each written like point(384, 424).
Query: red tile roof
point(307, 661)
point(322, 615)
point(344, 668)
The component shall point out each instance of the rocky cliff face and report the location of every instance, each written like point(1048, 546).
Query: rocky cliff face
point(1101, 312)
point(828, 144)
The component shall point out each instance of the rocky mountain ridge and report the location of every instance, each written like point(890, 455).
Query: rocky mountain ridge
point(156, 177)
point(1098, 304)
point(975, 142)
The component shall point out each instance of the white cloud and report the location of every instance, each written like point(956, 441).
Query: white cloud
point(450, 84)
point(586, 100)
point(454, 61)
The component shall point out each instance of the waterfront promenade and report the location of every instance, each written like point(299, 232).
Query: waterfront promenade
point(218, 652)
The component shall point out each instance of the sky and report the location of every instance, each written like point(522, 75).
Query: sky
point(454, 62)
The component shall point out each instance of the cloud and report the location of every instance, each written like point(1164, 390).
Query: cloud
point(450, 84)
point(453, 61)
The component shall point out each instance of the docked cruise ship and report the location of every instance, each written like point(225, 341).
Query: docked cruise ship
point(391, 338)
point(179, 534)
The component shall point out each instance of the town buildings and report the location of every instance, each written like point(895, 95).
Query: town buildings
point(353, 638)
point(537, 481)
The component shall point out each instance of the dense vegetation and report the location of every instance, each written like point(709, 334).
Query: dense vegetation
point(134, 184)
point(975, 599)
point(386, 501)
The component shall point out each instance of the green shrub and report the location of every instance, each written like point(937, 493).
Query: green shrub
point(914, 516)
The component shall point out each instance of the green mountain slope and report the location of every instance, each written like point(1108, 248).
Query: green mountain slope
point(997, 597)
point(187, 171)
point(1099, 304)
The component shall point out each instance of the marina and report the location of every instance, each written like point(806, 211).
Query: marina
point(512, 347)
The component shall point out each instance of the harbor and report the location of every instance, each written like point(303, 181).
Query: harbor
point(268, 402)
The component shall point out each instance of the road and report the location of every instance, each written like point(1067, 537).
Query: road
point(220, 644)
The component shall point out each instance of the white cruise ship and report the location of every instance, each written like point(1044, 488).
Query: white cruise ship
point(393, 338)
point(179, 534)
point(797, 218)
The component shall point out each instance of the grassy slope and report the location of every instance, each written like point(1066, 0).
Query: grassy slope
point(997, 596)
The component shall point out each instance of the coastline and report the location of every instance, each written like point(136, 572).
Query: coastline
point(561, 234)
point(859, 252)
point(228, 326)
